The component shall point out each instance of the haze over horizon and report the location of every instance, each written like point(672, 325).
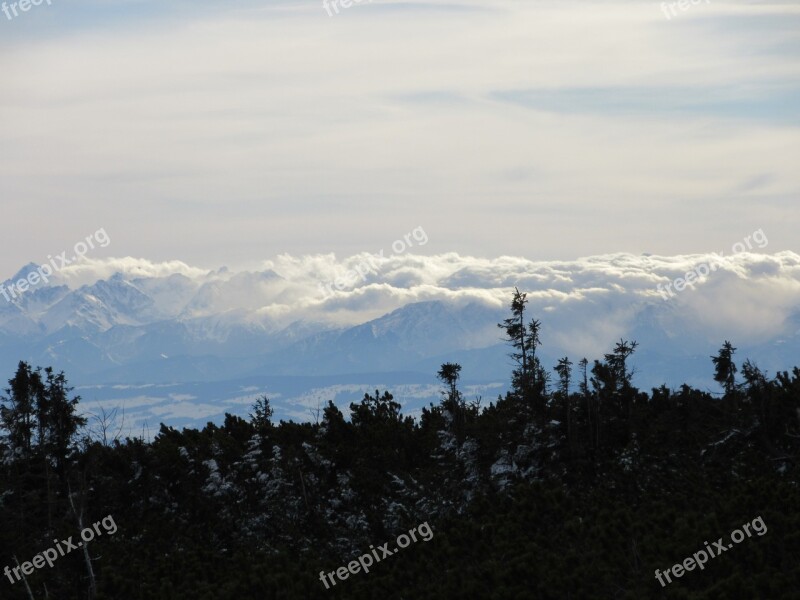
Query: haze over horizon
point(183, 345)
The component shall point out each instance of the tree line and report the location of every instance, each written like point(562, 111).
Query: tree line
point(573, 481)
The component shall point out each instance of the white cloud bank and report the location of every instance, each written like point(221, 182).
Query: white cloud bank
point(585, 303)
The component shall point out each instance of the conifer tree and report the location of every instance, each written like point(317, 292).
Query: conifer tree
point(724, 367)
point(529, 378)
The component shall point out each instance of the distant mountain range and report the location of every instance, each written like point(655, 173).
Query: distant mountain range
point(183, 345)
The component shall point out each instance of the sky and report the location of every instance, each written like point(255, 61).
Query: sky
point(229, 133)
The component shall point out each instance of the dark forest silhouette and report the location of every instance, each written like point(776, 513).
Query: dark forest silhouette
point(575, 484)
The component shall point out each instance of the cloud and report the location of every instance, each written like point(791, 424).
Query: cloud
point(584, 302)
point(90, 270)
point(216, 132)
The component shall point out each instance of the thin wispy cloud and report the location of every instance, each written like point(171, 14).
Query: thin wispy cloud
point(547, 130)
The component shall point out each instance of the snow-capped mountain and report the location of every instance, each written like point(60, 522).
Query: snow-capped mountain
point(130, 322)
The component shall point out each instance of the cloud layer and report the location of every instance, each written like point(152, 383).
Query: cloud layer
point(210, 335)
point(216, 132)
point(585, 303)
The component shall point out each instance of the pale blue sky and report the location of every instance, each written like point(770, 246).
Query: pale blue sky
point(229, 132)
